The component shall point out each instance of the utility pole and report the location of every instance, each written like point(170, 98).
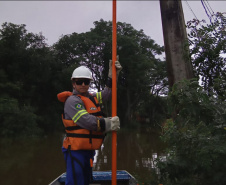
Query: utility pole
point(179, 65)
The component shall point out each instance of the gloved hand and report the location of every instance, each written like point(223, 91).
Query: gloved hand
point(118, 68)
point(112, 124)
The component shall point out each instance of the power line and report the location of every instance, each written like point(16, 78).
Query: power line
point(205, 5)
point(210, 7)
point(191, 9)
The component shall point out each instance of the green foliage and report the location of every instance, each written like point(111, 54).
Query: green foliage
point(137, 54)
point(153, 108)
point(33, 73)
point(195, 137)
point(208, 51)
point(139, 77)
point(91, 49)
point(28, 76)
point(195, 134)
point(17, 121)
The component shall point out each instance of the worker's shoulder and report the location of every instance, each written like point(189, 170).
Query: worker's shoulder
point(73, 99)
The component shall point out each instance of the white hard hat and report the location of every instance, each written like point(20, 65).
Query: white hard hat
point(82, 72)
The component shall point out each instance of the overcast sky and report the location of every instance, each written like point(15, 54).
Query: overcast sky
point(56, 18)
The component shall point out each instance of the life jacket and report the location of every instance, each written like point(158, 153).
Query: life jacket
point(79, 138)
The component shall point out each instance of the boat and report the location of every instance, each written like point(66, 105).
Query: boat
point(102, 178)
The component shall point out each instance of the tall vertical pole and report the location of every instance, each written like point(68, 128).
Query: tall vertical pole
point(114, 92)
point(175, 40)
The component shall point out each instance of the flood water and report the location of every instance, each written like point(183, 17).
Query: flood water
point(40, 161)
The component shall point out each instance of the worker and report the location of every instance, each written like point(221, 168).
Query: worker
point(84, 124)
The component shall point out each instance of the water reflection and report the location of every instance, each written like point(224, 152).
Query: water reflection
point(136, 153)
point(26, 162)
point(36, 162)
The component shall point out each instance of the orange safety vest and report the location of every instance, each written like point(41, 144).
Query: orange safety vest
point(79, 138)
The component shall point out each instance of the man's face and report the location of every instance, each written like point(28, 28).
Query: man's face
point(81, 85)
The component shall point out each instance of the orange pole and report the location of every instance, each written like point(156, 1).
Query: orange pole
point(114, 93)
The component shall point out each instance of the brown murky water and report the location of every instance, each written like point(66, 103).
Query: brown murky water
point(39, 161)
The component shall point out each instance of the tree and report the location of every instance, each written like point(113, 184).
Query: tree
point(87, 49)
point(195, 138)
point(196, 135)
point(33, 73)
point(28, 73)
point(207, 43)
point(137, 54)
point(139, 63)
point(16, 120)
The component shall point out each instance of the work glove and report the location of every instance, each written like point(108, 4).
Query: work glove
point(118, 68)
point(112, 124)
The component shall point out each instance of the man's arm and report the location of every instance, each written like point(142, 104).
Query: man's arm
point(74, 109)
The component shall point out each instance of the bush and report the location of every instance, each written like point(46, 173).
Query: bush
point(195, 136)
point(16, 121)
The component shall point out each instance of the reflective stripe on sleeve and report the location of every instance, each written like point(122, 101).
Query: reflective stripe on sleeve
point(99, 97)
point(79, 114)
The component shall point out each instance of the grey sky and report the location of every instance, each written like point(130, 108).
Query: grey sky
point(56, 18)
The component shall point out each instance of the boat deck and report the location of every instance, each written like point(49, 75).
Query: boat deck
point(102, 178)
